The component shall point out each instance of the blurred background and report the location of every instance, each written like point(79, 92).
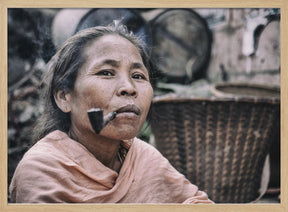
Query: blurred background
point(217, 73)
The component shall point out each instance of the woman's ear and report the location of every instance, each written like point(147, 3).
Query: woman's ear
point(63, 101)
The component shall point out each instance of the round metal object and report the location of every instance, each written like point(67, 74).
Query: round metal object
point(181, 43)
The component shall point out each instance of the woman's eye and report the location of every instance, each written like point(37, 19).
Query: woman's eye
point(138, 76)
point(105, 73)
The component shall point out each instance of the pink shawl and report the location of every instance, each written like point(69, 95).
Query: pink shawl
point(58, 169)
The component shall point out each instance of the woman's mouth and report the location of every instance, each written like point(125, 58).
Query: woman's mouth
point(129, 109)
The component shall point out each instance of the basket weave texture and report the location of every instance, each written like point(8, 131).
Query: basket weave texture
point(219, 145)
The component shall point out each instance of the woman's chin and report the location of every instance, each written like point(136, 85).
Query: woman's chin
point(120, 134)
point(120, 137)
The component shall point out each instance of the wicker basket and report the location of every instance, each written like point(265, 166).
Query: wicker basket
point(220, 145)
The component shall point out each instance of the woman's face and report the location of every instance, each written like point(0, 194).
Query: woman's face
point(113, 78)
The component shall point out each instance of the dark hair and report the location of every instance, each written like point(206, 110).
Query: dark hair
point(63, 69)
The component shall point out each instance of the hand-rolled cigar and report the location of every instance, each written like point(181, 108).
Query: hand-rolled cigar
point(97, 120)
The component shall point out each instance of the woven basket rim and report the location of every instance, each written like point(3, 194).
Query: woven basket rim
point(178, 99)
point(256, 85)
point(216, 89)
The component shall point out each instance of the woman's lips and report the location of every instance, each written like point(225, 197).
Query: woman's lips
point(129, 109)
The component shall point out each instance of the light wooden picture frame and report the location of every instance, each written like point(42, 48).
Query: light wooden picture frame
point(5, 4)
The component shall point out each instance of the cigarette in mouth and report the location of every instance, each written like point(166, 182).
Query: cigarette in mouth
point(97, 120)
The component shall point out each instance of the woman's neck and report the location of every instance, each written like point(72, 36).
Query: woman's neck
point(104, 149)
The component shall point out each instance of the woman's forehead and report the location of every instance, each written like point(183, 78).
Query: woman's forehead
point(112, 47)
point(109, 41)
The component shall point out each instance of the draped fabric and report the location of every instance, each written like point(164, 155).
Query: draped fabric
point(58, 169)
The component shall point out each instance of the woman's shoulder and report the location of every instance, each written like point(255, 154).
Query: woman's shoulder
point(56, 153)
point(46, 153)
point(47, 145)
point(143, 144)
point(41, 164)
point(40, 168)
point(146, 149)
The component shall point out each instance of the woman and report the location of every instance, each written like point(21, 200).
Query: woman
point(107, 68)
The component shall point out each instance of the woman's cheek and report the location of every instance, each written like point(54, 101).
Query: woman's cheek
point(148, 94)
point(98, 94)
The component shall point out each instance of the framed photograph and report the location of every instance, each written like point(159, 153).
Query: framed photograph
point(203, 53)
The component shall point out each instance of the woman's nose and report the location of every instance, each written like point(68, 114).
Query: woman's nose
point(127, 88)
